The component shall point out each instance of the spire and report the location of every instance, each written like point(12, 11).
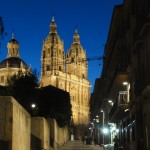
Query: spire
point(13, 36)
point(53, 19)
point(76, 31)
point(53, 26)
point(76, 37)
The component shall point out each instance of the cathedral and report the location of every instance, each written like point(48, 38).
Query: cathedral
point(67, 71)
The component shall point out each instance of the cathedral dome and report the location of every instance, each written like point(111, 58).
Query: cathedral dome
point(76, 48)
point(13, 48)
point(13, 41)
point(12, 62)
point(53, 38)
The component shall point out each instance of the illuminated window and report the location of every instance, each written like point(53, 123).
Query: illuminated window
point(48, 68)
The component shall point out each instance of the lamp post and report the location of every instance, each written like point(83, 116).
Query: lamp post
point(103, 123)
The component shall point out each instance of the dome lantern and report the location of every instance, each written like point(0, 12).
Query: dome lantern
point(13, 47)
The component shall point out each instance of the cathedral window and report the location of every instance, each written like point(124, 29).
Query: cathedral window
point(72, 59)
point(47, 68)
point(83, 76)
point(60, 68)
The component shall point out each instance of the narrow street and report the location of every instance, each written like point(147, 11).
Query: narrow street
point(78, 145)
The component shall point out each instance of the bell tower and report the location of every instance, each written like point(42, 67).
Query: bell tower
point(52, 52)
point(76, 58)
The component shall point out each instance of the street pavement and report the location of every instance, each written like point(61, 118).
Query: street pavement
point(78, 145)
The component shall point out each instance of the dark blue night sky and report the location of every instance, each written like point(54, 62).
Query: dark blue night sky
point(29, 20)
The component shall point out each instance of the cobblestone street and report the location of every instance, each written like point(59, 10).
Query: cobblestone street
point(78, 145)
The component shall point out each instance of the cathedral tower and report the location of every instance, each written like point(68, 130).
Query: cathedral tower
point(76, 58)
point(52, 52)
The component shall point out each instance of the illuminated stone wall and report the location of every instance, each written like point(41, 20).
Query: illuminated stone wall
point(15, 124)
point(40, 129)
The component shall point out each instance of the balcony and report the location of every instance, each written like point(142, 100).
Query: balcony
point(120, 107)
point(116, 84)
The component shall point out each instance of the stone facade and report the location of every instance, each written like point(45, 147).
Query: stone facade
point(59, 136)
point(41, 130)
point(67, 71)
point(19, 131)
point(127, 60)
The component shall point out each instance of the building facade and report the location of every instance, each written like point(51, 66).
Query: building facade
point(126, 75)
point(67, 71)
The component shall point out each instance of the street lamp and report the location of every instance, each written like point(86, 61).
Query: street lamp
point(33, 105)
point(97, 119)
point(34, 109)
point(105, 130)
point(110, 102)
point(125, 83)
point(103, 116)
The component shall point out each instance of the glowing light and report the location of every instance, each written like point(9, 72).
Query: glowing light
point(125, 83)
point(113, 128)
point(126, 110)
point(110, 101)
point(105, 130)
point(33, 105)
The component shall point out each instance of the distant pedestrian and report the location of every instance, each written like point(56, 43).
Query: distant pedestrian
point(83, 139)
point(116, 142)
point(95, 141)
point(86, 139)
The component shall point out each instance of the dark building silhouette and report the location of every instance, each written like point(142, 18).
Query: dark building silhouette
point(126, 75)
